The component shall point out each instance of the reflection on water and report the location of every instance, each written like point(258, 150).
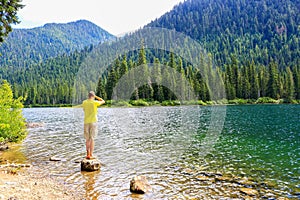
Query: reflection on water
point(160, 142)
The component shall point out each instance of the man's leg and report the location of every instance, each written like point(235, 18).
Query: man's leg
point(91, 147)
point(86, 136)
point(88, 147)
point(92, 137)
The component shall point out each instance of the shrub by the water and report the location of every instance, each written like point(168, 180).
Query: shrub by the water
point(139, 102)
point(171, 103)
point(12, 122)
point(266, 100)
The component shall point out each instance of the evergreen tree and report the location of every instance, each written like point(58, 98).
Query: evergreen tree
point(273, 83)
point(123, 67)
point(158, 93)
point(8, 16)
point(290, 87)
point(246, 87)
point(145, 91)
point(253, 81)
point(100, 91)
point(111, 83)
point(296, 75)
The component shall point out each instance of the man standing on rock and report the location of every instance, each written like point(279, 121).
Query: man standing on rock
point(90, 108)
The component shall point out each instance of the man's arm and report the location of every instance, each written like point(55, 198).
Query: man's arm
point(100, 100)
point(78, 106)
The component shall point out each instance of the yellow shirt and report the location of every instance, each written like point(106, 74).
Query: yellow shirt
point(90, 110)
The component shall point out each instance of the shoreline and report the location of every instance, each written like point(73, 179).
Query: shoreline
point(20, 180)
point(145, 103)
point(25, 183)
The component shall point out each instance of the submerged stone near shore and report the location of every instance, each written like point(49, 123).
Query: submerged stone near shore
point(34, 124)
point(3, 146)
point(54, 158)
point(139, 185)
point(90, 165)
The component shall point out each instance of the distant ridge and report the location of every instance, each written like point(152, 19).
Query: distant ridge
point(24, 47)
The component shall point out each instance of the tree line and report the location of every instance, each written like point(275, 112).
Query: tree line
point(249, 81)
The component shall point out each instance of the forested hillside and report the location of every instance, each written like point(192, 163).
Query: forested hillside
point(254, 44)
point(25, 47)
point(259, 30)
point(48, 83)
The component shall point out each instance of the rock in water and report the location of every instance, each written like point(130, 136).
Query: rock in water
point(139, 185)
point(34, 124)
point(249, 191)
point(53, 158)
point(90, 165)
point(3, 147)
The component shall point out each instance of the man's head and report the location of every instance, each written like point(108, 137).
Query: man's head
point(91, 94)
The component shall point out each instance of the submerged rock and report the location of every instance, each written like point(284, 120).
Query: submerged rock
point(34, 124)
point(53, 158)
point(90, 165)
point(139, 185)
point(249, 191)
point(3, 147)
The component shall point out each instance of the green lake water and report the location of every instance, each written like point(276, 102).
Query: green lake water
point(257, 142)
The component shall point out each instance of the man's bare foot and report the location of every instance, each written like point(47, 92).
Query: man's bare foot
point(92, 157)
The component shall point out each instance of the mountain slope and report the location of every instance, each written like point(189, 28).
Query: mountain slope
point(28, 46)
point(260, 30)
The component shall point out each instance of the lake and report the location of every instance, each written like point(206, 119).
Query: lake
point(172, 146)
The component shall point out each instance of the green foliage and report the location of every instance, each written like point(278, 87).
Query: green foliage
point(12, 123)
point(139, 102)
point(8, 16)
point(265, 100)
point(121, 104)
point(239, 101)
point(171, 103)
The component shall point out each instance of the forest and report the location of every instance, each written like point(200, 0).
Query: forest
point(254, 46)
point(27, 47)
point(259, 30)
point(250, 81)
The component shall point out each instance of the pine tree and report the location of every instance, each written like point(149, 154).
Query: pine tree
point(111, 83)
point(296, 75)
point(100, 91)
point(246, 87)
point(158, 94)
point(123, 67)
point(273, 83)
point(146, 90)
point(8, 16)
point(290, 87)
point(253, 81)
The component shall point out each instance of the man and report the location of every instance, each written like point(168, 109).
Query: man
point(90, 108)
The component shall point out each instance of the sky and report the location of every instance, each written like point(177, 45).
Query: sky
point(115, 16)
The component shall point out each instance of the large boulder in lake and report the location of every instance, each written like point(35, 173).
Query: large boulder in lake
point(139, 185)
point(90, 165)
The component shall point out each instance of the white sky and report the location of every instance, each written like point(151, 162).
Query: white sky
point(115, 16)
